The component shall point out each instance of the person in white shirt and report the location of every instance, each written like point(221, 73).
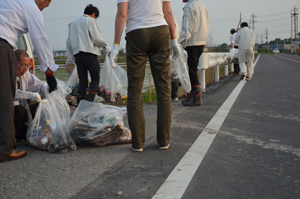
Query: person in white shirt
point(234, 45)
point(150, 25)
point(28, 87)
point(83, 44)
point(193, 37)
point(18, 17)
point(245, 38)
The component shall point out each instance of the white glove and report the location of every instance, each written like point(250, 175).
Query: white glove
point(114, 54)
point(175, 49)
point(36, 97)
point(107, 49)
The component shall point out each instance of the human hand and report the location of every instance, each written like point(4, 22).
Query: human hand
point(114, 54)
point(36, 97)
point(107, 49)
point(51, 81)
point(175, 49)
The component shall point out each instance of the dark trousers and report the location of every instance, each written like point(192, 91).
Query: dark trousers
point(154, 44)
point(87, 62)
point(21, 116)
point(174, 92)
point(194, 53)
point(236, 66)
point(8, 68)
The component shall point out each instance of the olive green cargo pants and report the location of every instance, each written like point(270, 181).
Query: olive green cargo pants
point(154, 44)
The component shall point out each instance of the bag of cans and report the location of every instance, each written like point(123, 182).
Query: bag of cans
point(49, 130)
point(96, 124)
point(180, 68)
point(113, 82)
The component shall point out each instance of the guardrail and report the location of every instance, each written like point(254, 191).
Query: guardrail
point(209, 60)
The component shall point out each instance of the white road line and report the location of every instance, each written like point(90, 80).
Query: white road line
point(179, 179)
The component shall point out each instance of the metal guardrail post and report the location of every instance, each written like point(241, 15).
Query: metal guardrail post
point(217, 74)
point(226, 69)
point(202, 66)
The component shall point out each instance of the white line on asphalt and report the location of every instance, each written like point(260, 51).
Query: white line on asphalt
point(179, 179)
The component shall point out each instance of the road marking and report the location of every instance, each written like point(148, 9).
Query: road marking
point(288, 59)
point(179, 179)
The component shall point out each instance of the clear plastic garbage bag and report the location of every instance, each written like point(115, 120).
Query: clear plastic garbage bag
point(113, 82)
point(49, 128)
point(73, 82)
point(96, 124)
point(233, 55)
point(181, 67)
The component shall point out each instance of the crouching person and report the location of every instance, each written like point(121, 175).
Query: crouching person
point(28, 87)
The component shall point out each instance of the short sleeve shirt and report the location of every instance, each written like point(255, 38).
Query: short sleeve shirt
point(144, 14)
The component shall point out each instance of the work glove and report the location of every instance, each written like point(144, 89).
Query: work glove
point(114, 54)
point(107, 49)
point(36, 97)
point(51, 81)
point(175, 49)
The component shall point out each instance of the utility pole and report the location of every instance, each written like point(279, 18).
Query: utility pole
point(295, 15)
point(253, 17)
point(262, 38)
point(239, 21)
point(267, 38)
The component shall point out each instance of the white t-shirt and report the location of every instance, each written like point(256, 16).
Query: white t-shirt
point(232, 39)
point(144, 14)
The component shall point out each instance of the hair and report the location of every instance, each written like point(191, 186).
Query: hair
point(20, 53)
point(232, 31)
point(90, 9)
point(244, 24)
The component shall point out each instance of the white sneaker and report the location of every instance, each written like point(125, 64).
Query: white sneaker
point(176, 99)
point(164, 147)
point(137, 150)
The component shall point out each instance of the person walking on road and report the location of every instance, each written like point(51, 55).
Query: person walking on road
point(234, 46)
point(83, 43)
point(150, 25)
point(17, 18)
point(193, 38)
point(245, 38)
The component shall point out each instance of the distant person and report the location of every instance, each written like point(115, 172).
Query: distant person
point(28, 87)
point(245, 38)
point(149, 26)
point(17, 18)
point(193, 37)
point(235, 46)
point(83, 44)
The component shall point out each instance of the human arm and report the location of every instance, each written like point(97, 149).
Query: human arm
point(70, 57)
point(120, 21)
point(237, 37)
point(187, 25)
point(35, 25)
point(96, 34)
point(171, 23)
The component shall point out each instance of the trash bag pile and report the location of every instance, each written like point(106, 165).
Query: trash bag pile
point(49, 128)
point(96, 124)
point(113, 82)
point(179, 69)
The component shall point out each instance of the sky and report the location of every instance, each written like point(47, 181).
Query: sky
point(274, 15)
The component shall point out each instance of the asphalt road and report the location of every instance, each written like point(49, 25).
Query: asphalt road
point(255, 151)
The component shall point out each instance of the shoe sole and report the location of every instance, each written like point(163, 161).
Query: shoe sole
point(164, 147)
point(242, 77)
point(10, 159)
point(137, 150)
